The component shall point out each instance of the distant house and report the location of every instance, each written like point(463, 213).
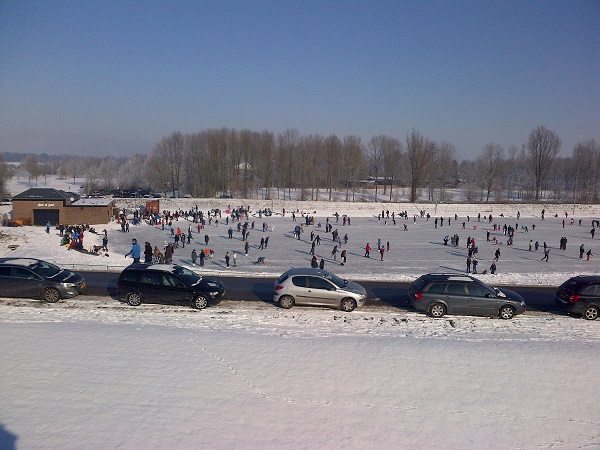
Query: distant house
point(38, 206)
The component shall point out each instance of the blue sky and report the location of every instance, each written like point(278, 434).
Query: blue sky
point(113, 77)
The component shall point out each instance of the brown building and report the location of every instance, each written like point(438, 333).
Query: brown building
point(38, 206)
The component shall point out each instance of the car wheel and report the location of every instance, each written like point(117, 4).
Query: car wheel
point(286, 302)
point(591, 313)
point(51, 295)
point(199, 302)
point(134, 299)
point(348, 304)
point(437, 310)
point(507, 312)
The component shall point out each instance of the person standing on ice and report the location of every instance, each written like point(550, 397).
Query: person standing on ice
point(343, 256)
point(367, 251)
point(469, 264)
point(194, 256)
point(475, 264)
point(322, 264)
point(581, 251)
point(493, 268)
point(589, 254)
point(381, 252)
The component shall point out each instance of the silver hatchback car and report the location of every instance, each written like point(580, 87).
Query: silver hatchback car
point(317, 287)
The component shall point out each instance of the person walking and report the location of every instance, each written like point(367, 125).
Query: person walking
point(246, 248)
point(581, 251)
point(497, 254)
point(589, 254)
point(334, 252)
point(135, 251)
point(367, 251)
point(381, 252)
point(343, 256)
point(493, 268)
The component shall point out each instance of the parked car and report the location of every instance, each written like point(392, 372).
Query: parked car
point(440, 294)
point(35, 278)
point(580, 295)
point(317, 287)
point(167, 284)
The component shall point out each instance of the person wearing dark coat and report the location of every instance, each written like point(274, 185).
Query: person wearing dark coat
point(148, 252)
point(322, 264)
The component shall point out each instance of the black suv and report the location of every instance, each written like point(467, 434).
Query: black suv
point(167, 283)
point(440, 293)
point(580, 295)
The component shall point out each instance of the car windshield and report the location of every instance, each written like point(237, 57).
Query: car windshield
point(45, 269)
point(339, 282)
point(188, 277)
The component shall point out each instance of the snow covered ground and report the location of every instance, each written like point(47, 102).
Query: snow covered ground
point(95, 373)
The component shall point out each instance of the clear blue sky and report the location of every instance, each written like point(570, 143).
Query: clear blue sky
point(113, 77)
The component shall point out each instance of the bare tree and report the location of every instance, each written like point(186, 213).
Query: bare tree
point(539, 154)
point(375, 149)
point(266, 161)
point(490, 167)
point(4, 177)
point(586, 162)
point(333, 148)
point(445, 167)
point(353, 163)
point(287, 142)
point(30, 164)
point(510, 170)
point(91, 170)
point(419, 151)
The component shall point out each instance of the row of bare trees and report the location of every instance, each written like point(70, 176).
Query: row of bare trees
point(287, 165)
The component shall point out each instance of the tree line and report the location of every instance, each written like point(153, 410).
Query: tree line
point(288, 165)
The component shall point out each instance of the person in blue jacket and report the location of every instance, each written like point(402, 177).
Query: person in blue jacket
point(135, 251)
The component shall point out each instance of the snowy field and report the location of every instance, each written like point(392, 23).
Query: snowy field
point(95, 373)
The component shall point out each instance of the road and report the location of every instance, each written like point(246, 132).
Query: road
point(379, 292)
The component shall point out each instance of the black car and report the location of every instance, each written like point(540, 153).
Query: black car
point(441, 293)
point(168, 284)
point(35, 278)
point(580, 295)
